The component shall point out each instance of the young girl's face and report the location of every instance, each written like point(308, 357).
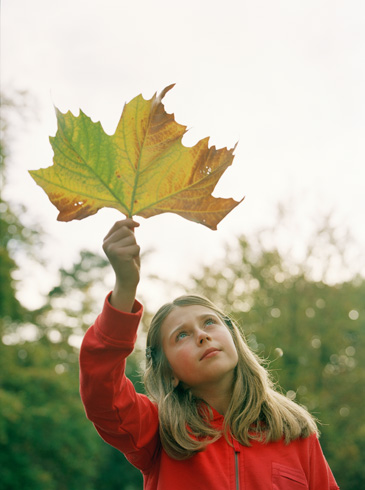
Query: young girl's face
point(199, 348)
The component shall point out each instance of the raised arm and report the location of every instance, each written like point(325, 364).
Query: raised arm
point(125, 419)
point(121, 248)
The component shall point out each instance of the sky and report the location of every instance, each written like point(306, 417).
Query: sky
point(284, 79)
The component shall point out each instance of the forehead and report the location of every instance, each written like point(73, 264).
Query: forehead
point(181, 315)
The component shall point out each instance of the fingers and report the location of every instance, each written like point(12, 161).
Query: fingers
point(127, 253)
point(121, 241)
point(121, 235)
point(127, 223)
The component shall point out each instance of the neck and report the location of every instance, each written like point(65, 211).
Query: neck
point(218, 397)
point(220, 404)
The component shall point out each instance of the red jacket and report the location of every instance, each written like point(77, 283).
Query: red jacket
point(129, 421)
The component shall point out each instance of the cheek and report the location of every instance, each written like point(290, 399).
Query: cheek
point(180, 361)
point(231, 348)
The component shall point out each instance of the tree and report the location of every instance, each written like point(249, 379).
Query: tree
point(310, 332)
point(46, 442)
point(309, 329)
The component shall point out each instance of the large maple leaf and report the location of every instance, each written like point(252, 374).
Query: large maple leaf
point(142, 169)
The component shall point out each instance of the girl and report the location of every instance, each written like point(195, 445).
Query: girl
point(212, 419)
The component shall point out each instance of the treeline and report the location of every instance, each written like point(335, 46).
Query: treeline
point(310, 331)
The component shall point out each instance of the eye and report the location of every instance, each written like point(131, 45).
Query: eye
point(209, 321)
point(181, 335)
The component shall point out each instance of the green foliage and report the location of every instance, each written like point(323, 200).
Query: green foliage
point(312, 335)
point(46, 442)
point(43, 430)
point(9, 306)
point(310, 330)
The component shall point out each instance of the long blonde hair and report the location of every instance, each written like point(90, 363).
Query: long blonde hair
point(256, 410)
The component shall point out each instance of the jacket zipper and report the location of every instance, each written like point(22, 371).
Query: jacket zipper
point(237, 450)
point(237, 470)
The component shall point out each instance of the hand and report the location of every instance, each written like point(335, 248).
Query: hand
point(121, 248)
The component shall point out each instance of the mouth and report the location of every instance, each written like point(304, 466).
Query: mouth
point(209, 353)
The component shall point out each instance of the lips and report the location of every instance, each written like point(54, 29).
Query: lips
point(208, 352)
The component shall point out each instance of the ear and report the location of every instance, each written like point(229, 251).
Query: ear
point(175, 381)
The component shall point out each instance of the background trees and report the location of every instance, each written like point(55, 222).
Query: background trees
point(46, 442)
point(309, 328)
point(310, 332)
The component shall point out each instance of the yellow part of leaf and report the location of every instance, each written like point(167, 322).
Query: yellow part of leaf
point(143, 169)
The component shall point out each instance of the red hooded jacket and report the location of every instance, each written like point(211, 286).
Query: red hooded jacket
point(129, 422)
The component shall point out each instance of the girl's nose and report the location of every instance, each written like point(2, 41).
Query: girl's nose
point(203, 336)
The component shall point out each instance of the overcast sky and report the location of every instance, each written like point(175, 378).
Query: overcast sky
point(284, 78)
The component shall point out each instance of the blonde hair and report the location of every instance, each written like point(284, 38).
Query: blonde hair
point(256, 410)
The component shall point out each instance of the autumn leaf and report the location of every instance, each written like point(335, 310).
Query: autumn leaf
point(142, 169)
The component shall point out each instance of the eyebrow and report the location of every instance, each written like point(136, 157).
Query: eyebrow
point(200, 317)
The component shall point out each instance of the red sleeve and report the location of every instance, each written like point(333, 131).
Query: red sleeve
point(320, 473)
point(125, 419)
